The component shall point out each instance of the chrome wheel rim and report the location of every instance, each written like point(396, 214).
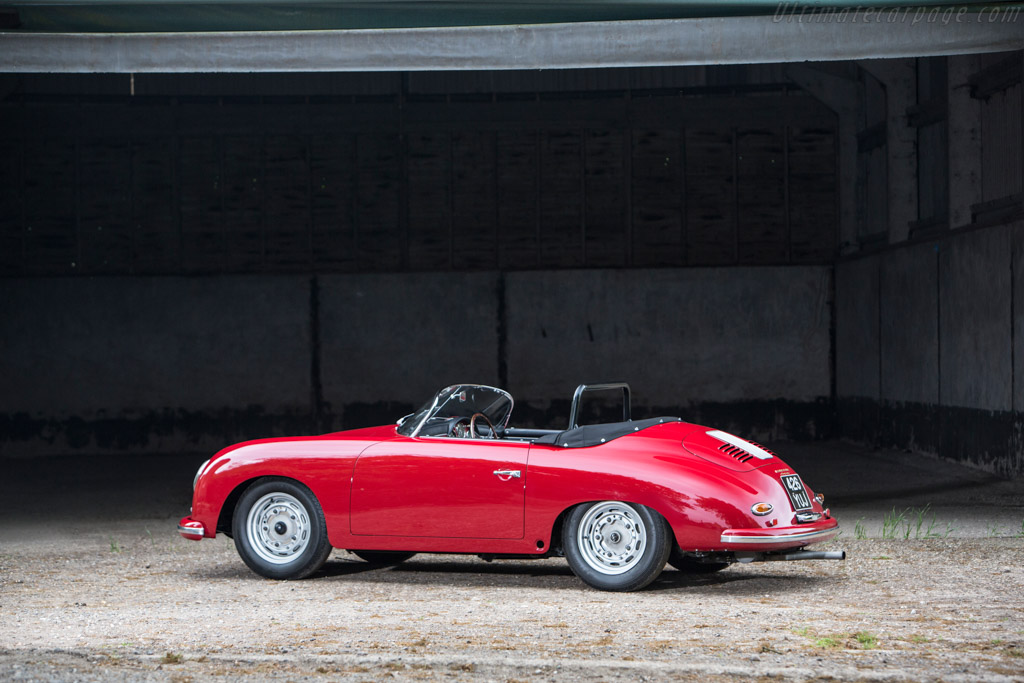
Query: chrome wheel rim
point(611, 538)
point(278, 527)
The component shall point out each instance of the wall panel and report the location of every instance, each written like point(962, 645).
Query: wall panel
point(418, 182)
point(657, 197)
point(711, 198)
point(974, 288)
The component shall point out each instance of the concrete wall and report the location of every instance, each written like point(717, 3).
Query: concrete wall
point(857, 364)
point(909, 327)
point(170, 364)
point(1018, 329)
point(695, 335)
point(975, 294)
point(151, 363)
point(389, 342)
point(945, 349)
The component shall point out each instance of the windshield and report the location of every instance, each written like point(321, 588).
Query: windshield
point(461, 400)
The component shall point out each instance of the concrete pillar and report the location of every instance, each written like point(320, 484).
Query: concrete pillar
point(843, 96)
point(899, 76)
point(964, 127)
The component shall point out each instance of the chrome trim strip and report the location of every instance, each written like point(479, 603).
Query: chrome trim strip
point(191, 531)
point(805, 535)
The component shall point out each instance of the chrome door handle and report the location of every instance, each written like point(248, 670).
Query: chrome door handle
point(507, 473)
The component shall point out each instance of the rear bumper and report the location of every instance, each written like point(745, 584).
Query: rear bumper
point(191, 529)
point(780, 538)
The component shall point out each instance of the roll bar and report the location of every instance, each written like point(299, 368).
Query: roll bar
point(574, 412)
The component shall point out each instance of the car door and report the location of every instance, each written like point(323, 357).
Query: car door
point(440, 487)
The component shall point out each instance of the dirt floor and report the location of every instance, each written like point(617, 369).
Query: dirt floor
point(96, 585)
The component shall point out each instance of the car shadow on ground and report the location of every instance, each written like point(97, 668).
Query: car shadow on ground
point(525, 574)
point(469, 572)
point(446, 572)
point(736, 583)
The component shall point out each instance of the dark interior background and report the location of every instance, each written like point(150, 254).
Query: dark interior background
point(785, 251)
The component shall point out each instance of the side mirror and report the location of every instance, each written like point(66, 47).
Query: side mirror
point(401, 421)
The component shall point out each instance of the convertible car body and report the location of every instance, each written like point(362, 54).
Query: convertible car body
point(617, 499)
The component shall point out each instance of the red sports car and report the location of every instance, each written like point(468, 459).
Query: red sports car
point(617, 499)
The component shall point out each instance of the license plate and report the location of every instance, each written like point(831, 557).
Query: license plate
point(797, 494)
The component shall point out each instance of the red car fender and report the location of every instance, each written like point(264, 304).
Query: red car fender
point(315, 462)
point(697, 497)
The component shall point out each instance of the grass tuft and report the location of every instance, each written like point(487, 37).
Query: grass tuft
point(914, 523)
point(866, 640)
point(859, 532)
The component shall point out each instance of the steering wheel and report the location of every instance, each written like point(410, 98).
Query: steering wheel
point(474, 434)
point(460, 429)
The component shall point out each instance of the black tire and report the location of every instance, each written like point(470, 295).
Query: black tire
point(279, 529)
point(616, 546)
point(382, 558)
point(691, 565)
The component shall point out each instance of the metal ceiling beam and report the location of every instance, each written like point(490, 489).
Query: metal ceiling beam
point(864, 34)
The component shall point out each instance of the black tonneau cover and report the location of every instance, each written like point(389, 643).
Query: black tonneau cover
point(593, 435)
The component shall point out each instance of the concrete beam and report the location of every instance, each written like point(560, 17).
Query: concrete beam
point(899, 76)
point(864, 34)
point(844, 97)
point(964, 135)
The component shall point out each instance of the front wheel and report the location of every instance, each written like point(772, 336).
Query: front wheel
point(279, 529)
point(616, 546)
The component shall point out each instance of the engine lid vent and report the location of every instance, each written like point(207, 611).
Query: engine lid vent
point(741, 449)
point(735, 452)
point(728, 450)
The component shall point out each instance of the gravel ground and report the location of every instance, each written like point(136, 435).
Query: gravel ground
point(110, 592)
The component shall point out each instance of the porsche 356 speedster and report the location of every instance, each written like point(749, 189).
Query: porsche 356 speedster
point(618, 500)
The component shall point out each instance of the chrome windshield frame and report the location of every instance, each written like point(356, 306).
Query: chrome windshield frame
point(452, 390)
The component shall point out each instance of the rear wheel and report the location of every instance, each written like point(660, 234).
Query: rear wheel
point(616, 546)
point(279, 529)
point(382, 558)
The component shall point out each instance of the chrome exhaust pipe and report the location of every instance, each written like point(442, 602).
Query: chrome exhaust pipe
point(805, 555)
point(791, 556)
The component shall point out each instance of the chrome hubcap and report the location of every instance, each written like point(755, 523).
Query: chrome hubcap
point(612, 537)
point(278, 527)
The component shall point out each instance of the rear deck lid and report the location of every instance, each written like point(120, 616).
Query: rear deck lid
point(728, 450)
